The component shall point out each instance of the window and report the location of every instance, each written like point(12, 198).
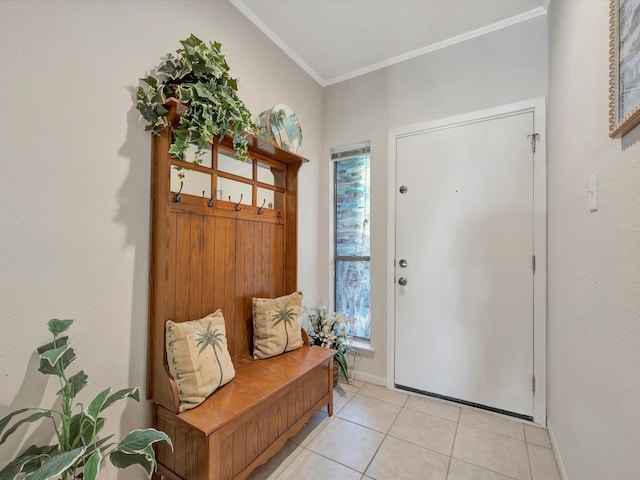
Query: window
point(351, 243)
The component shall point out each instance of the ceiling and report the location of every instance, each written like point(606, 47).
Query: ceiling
point(333, 40)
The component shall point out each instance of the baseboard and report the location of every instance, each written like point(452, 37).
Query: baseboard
point(556, 452)
point(367, 377)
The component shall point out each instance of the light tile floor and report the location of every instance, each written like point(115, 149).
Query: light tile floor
point(381, 434)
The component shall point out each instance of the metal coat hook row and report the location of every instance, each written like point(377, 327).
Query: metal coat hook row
point(177, 198)
point(260, 210)
point(237, 207)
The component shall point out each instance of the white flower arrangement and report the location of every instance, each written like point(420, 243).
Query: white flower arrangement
point(330, 330)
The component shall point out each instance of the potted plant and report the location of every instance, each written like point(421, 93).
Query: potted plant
point(330, 330)
point(198, 77)
point(78, 452)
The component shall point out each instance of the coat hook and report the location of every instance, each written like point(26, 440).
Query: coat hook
point(211, 202)
point(237, 207)
point(260, 211)
point(279, 213)
point(177, 198)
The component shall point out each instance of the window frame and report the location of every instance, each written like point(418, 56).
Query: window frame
point(337, 155)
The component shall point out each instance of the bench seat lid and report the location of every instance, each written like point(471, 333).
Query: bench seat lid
point(255, 381)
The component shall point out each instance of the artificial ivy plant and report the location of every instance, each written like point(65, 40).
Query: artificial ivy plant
point(198, 76)
point(78, 452)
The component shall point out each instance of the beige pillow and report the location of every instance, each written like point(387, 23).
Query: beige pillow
point(276, 325)
point(198, 358)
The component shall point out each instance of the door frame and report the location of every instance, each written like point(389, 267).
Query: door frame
point(538, 107)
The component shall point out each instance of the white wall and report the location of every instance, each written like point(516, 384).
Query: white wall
point(505, 66)
point(74, 201)
point(594, 258)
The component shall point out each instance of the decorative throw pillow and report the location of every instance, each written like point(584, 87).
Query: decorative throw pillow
point(276, 325)
point(198, 358)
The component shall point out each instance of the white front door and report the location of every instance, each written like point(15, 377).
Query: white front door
point(464, 227)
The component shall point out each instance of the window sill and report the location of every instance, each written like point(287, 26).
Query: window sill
point(362, 346)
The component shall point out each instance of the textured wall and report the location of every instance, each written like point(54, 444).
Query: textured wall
point(502, 67)
point(74, 202)
point(594, 258)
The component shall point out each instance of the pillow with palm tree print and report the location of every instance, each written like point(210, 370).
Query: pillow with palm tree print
point(276, 325)
point(198, 358)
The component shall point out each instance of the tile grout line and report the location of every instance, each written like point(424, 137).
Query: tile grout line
point(453, 445)
point(432, 414)
point(494, 432)
point(430, 450)
point(383, 439)
point(332, 460)
point(381, 400)
point(526, 446)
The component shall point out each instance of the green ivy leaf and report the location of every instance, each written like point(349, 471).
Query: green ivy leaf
point(5, 420)
point(151, 81)
point(53, 356)
point(30, 419)
point(120, 395)
point(28, 461)
point(124, 460)
point(102, 441)
point(51, 345)
point(55, 465)
point(77, 382)
point(47, 369)
point(18, 466)
point(75, 423)
point(56, 327)
point(87, 435)
point(95, 407)
point(92, 465)
point(38, 456)
point(138, 440)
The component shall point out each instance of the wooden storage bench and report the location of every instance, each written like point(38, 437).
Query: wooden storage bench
point(248, 420)
point(209, 252)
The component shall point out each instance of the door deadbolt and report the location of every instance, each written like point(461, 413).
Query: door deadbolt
point(402, 281)
point(402, 263)
point(404, 189)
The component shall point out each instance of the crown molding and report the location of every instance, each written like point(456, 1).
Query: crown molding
point(523, 17)
point(508, 22)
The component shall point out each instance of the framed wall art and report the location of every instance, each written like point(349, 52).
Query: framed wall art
point(624, 66)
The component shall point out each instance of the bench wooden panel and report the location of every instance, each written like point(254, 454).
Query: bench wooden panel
point(204, 258)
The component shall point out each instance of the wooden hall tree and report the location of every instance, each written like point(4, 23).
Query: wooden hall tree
point(222, 235)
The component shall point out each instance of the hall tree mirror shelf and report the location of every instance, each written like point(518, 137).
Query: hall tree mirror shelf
point(219, 251)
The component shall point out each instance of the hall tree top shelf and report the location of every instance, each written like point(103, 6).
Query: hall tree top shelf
point(257, 145)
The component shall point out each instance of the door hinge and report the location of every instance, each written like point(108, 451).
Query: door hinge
point(533, 383)
point(533, 263)
point(533, 137)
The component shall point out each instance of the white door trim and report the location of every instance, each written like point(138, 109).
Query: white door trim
point(538, 107)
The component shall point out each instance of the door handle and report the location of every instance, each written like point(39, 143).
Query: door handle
point(402, 281)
